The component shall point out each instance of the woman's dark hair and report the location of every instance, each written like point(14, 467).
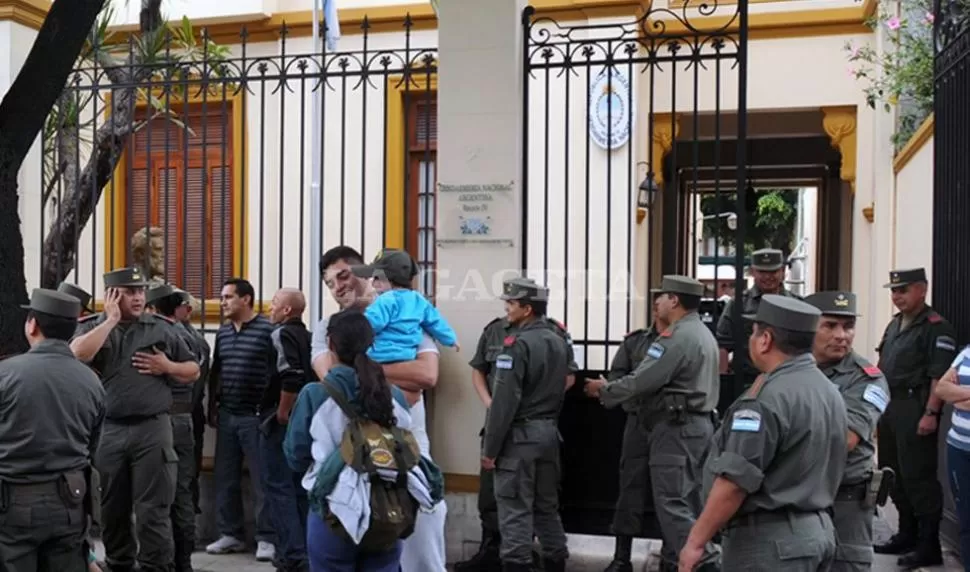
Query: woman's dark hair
point(350, 335)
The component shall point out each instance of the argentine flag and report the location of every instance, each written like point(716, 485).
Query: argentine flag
point(332, 23)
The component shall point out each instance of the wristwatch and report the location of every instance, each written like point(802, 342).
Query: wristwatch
point(931, 413)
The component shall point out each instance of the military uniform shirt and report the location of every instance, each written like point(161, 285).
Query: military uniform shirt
point(750, 301)
point(683, 359)
point(129, 393)
point(51, 412)
point(866, 396)
point(530, 381)
point(631, 352)
point(182, 392)
point(491, 342)
point(783, 443)
point(911, 357)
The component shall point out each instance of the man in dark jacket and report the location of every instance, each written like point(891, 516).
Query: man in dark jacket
point(290, 370)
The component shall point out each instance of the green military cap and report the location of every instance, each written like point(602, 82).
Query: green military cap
point(524, 290)
point(54, 303)
point(899, 278)
point(395, 265)
point(834, 303)
point(786, 313)
point(677, 284)
point(156, 293)
point(767, 259)
point(77, 292)
point(125, 277)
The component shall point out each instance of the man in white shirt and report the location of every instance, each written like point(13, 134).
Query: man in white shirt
point(424, 550)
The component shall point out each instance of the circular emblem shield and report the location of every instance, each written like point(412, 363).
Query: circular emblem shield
point(382, 457)
point(611, 109)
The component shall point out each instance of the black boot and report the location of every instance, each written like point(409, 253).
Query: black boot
point(928, 552)
point(487, 558)
point(901, 542)
point(621, 555)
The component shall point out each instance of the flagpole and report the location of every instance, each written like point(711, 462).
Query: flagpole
point(316, 299)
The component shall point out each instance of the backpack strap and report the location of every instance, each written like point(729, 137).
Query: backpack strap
point(360, 450)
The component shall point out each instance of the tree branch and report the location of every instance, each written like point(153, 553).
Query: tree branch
point(44, 74)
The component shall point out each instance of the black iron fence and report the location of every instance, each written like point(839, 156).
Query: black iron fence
point(198, 160)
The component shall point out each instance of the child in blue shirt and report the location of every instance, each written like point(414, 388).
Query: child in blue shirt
point(400, 315)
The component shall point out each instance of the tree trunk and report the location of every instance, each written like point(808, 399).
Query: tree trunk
point(22, 114)
point(61, 243)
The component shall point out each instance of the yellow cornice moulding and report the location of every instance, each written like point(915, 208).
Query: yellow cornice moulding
point(915, 143)
point(29, 13)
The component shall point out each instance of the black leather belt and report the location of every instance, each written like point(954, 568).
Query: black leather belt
point(855, 492)
point(762, 518)
point(135, 419)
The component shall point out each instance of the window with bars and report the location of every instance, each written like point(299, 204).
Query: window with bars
point(181, 181)
point(422, 179)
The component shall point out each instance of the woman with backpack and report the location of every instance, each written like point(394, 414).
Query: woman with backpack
point(363, 470)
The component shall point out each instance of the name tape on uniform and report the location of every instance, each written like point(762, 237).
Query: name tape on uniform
point(503, 361)
point(656, 351)
point(877, 397)
point(946, 343)
point(746, 420)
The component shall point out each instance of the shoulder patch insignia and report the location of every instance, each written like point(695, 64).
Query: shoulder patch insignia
point(503, 361)
point(656, 351)
point(746, 420)
point(87, 318)
point(875, 396)
point(946, 343)
point(508, 341)
point(872, 371)
point(488, 325)
point(934, 318)
point(560, 324)
point(634, 332)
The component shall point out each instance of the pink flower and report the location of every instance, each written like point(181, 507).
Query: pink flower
point(893, 23)
point(930, 18)
point(850, 71)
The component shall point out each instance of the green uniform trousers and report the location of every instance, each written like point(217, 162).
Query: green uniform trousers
point(675, 459)
point(636, 498)
point(138, 466)
point(40, 530)
point(487, 508)
point(183, 509)
point(527, 476)
point(770, 542)
point(917, 492)
point(853, 536)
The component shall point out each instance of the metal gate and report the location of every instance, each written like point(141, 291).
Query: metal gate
point(624, 124)
point(951, 182)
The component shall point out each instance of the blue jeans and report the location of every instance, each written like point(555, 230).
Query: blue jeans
point(238, 437)
point(330, 552)
point(958, 467)
point(285, 499)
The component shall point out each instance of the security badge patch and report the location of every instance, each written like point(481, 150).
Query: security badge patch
point(746, 420)
point(503, 361)
point(875, 396)
point(946, 343)
point(656, 351)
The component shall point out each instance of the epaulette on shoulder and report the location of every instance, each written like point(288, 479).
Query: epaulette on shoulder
point(635, 332)
point(508, 341)
point(165, 319)
point(666, 333)
point(934, 318)
point(492, 323)
point(755, 390)
point(87, 318)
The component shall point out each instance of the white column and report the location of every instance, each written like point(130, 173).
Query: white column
point(479, 143)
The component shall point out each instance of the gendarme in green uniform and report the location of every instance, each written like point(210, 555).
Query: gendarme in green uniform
point(51, 413)
point(490, 344)
point(79, 293)
point(783, 445)
point(866, 396)
point(676, 388)
point(522, 435)
point(765, 260)
point(165, 298)
point(911, 357)
point(137, 458)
